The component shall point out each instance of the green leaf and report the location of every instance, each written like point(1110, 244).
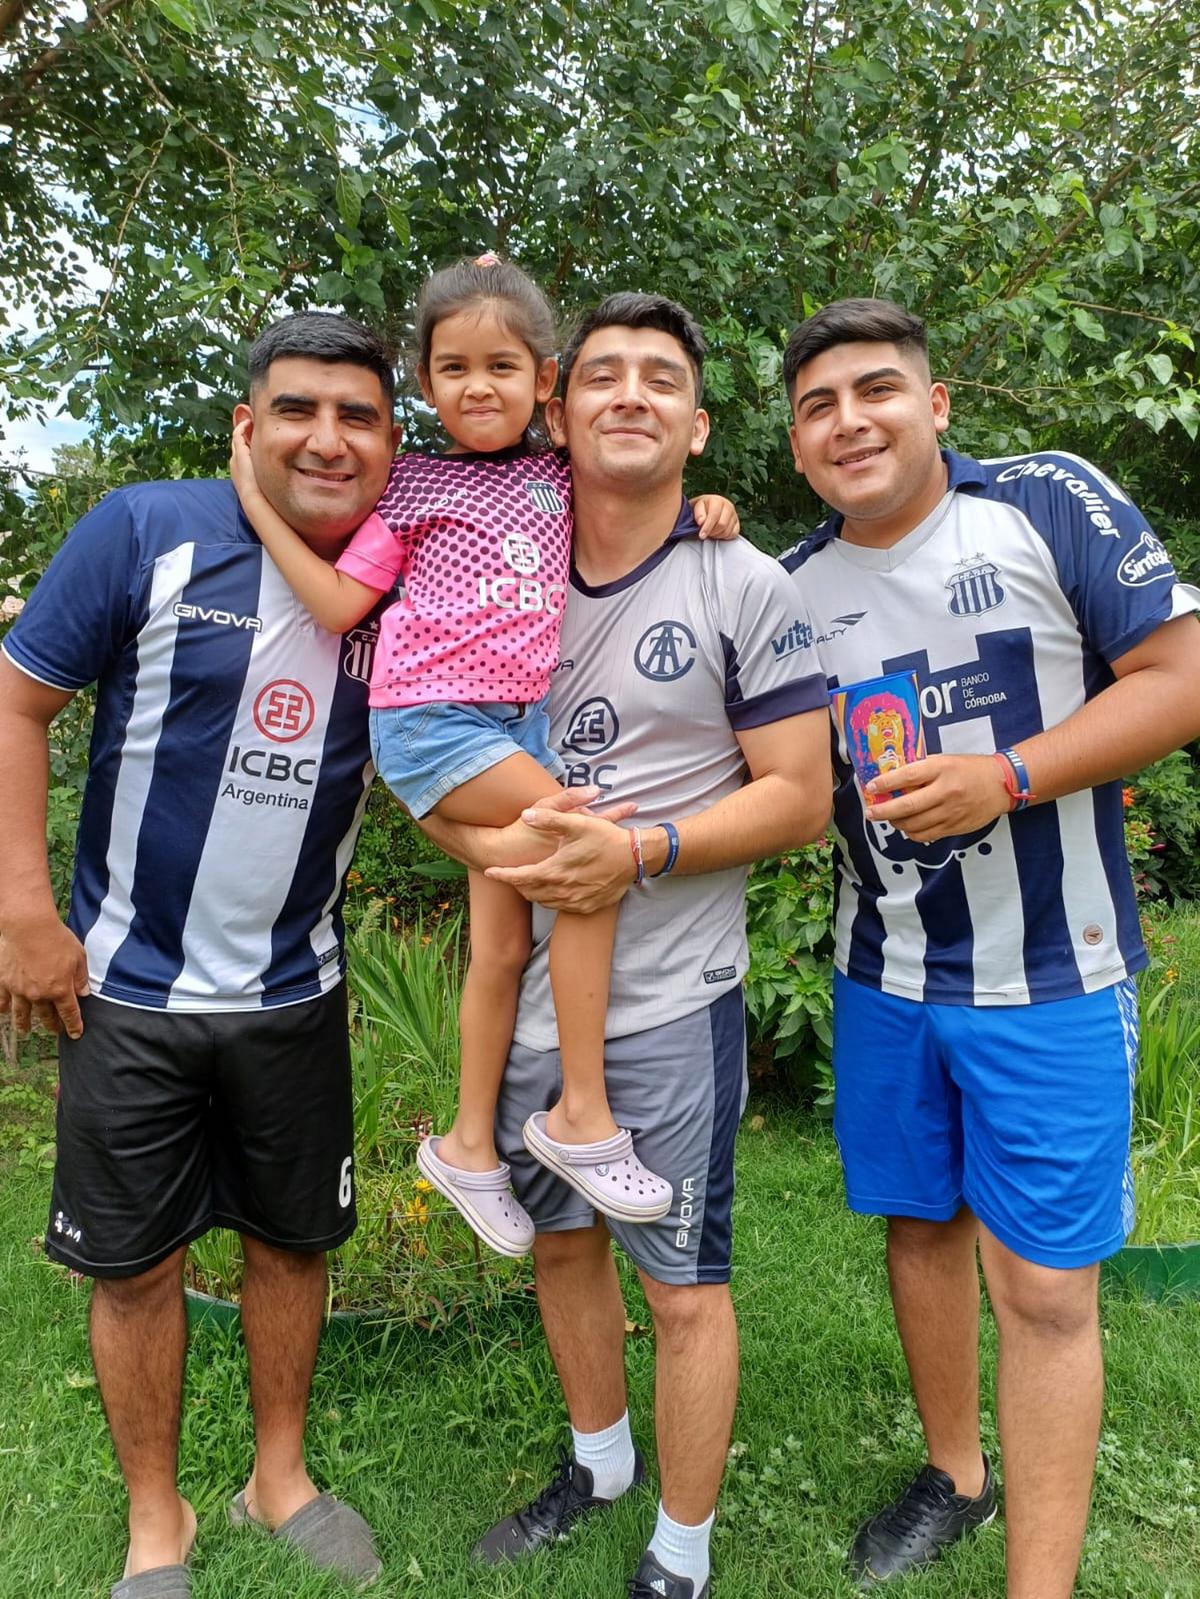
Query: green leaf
point(369, 292)
point(180, 13)
point(348, 198)
point(1161, 366)
point(1091, 327)
point(263, 44)
point(331, 286)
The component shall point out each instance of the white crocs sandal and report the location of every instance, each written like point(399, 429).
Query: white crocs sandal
point(608, 1174)
point(484, 1199)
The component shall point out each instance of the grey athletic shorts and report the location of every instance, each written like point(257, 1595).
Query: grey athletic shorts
point(680, 1089)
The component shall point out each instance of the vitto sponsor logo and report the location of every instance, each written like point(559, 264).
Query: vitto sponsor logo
point(544, 497)
point(521, 553)
point(687, 1212)
point(592, 728)
point(665, 652)
point(204, 613)
point(284, 711)
point(1097, 507)
point(1147, 562)
point(798, 637)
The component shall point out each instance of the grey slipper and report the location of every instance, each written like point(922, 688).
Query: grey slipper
point(160, 1582)
point(332, 1534)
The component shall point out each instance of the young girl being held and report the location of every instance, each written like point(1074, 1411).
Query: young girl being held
point(480, 537)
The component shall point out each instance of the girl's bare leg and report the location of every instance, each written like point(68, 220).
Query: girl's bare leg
point(500, 943)
point(580, 960)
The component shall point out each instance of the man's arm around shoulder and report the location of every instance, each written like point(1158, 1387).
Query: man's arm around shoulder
point(42, 964)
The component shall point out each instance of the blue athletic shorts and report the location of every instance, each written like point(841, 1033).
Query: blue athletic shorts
point(1022, 1112)
point(422, 752)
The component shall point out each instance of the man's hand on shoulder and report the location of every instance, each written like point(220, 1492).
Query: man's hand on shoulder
point(43, 973)
point(939, 797)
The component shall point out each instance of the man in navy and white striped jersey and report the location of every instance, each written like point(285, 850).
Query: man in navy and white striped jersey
point(198, 981)
point(986, 931)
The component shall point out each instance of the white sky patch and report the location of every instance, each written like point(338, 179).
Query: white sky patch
point(32, 442)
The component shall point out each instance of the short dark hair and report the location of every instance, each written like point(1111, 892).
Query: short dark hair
point(323, 336)
point(852, 322)
point(631, 310)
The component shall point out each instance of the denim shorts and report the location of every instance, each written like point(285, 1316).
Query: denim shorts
point(422, 752)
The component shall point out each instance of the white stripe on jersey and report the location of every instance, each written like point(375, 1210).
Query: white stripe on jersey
point(228, 933)
point(156, 658)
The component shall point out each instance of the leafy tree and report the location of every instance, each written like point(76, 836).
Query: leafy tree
point(1025, 174)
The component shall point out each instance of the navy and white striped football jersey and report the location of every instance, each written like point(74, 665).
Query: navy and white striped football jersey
point(229, 761)
point(1008, 602)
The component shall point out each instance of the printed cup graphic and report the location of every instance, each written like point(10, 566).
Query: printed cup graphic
point(879, 722)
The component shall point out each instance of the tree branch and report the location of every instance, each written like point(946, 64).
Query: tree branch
point(51, 58)
point(11, 13)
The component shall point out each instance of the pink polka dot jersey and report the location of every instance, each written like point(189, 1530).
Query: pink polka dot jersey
point(482, 545)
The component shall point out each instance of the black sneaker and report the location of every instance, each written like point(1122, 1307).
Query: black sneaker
point(651, 1581)
point(915, 1528)
point(550, 1516)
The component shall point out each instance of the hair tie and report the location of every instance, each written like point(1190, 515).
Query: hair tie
point(486, 259)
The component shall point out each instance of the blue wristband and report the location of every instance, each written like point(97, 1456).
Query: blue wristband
point(672, 833)
point(1022, 794)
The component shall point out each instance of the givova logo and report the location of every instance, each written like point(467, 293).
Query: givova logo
point(687, 1212)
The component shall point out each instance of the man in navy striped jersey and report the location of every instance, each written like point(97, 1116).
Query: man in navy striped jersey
point(198, 981)
point(1018, 622)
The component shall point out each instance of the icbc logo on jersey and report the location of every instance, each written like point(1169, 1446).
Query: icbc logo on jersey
point(522, 554)
point(284, 711)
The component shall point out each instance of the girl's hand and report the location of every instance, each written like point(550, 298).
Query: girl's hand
point(241, 467)
point(716, 517)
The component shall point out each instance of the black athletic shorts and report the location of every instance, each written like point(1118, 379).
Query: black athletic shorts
point(170, 1123)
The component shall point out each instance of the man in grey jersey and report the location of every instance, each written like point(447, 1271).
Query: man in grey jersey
point(677, 690)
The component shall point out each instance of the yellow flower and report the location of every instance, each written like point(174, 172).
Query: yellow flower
point(423, 1187)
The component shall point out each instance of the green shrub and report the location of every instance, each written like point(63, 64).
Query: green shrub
point(789, 986)
point(411, 1255)
point(1162, 822)
point(396, 864)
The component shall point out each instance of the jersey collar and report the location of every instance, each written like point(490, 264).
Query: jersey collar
point(686, 527)
point(962, 472)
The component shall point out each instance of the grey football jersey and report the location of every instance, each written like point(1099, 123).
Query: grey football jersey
point(658, 673)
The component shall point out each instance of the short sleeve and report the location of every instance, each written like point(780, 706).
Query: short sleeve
point(376, 555)
point(82, 613)
point(1116, 574)
point(771, 670)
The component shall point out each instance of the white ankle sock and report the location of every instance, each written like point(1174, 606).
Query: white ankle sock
point(608, 1455)
point(683, 1551)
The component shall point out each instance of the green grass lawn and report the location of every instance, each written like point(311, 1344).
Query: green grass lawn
point(434, 1434)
